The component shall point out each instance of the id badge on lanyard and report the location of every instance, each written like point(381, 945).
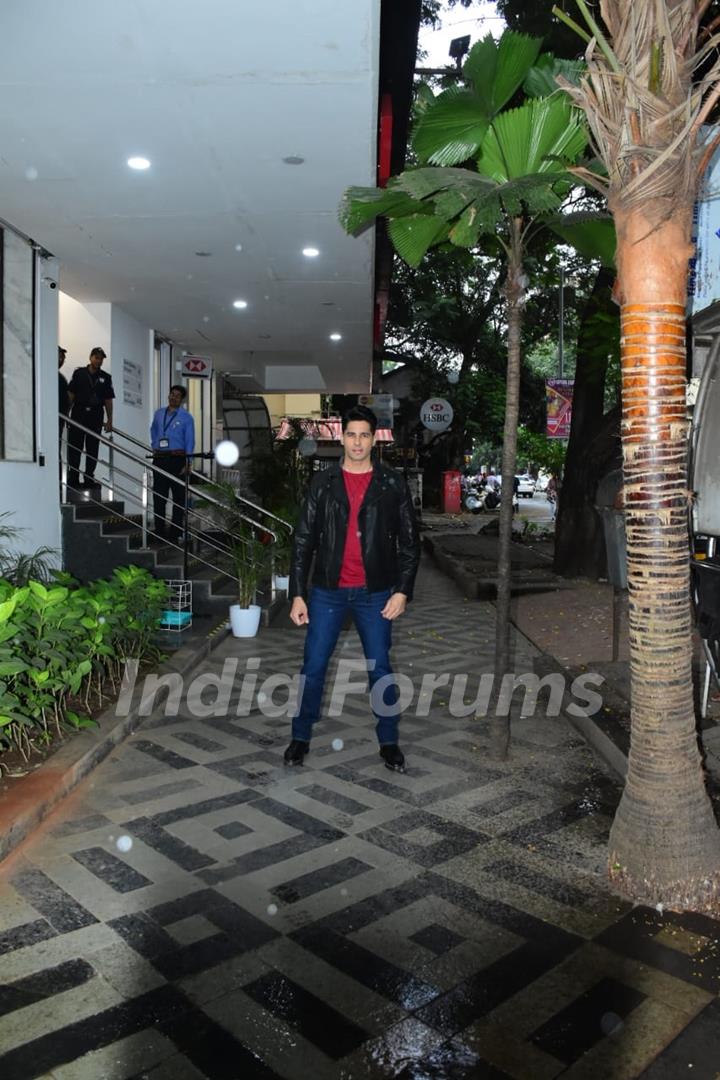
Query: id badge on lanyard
point(165, 442)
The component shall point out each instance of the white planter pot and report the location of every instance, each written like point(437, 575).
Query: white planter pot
point(282, 582)
point(244, 621)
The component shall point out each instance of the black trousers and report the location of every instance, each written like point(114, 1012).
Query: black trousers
point(78, 441)
point(163, 489)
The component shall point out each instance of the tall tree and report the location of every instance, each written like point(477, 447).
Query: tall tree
point(594, 443)
point(647, 114)
point(516, 176)
point(536, 18)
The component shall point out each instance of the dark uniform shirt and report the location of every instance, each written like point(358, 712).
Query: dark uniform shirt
point(63, 399)
point(91, 391)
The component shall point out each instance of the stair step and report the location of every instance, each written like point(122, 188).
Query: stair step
point(114, 525)
point(87, 511)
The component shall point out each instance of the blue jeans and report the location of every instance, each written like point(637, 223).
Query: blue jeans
point(326, 610)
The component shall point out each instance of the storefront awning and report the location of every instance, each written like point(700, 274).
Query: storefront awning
point(329, 430)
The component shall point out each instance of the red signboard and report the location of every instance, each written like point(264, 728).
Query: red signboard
point(558, 397)
point(198, 366)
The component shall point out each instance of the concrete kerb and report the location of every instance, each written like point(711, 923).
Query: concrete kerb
point(468, 583)
point(603, 738)
point(26, 801)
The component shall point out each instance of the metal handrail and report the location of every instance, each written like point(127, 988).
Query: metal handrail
point(157, 469)
point(242, 498)
point(261, 509)
point(213, 543)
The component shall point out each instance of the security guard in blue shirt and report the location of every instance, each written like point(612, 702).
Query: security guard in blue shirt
point(172, 437)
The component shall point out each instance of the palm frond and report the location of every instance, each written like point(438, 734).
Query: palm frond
point(426, 182)
point(413, 236)
point(531, 139)
point(590, 233)
point(20, 567)
point(360, 206)
point(644, 110)
point(473, 204)
point(496, 71)
point(541, 79)
point(450, 128)
point(8, 531)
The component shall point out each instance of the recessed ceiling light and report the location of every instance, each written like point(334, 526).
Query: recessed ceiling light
point(310, 252)
point(240, 304)
point(336, 337)
point(294, 159)
point(139, 163)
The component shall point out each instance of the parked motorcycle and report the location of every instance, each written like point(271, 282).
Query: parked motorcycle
point(478, 496)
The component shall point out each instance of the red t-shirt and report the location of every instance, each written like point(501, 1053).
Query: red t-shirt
point(352, 571)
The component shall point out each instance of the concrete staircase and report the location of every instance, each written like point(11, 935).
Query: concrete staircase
point(99, 536)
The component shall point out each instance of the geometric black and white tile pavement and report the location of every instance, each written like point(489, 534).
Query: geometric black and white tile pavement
point(199, 911)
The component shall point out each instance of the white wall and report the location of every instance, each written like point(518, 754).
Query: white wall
point(82, 327)
point(131, 341)
point(28, 489)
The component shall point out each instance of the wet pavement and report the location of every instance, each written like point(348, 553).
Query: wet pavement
point(197, 910)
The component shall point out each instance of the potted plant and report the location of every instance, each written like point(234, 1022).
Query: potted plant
point(282, 548)
point(250, 558)
point(282, 551)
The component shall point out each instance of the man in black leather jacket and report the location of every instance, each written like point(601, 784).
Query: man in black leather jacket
point(358, 523)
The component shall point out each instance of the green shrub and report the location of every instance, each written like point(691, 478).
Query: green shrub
point(63, 641)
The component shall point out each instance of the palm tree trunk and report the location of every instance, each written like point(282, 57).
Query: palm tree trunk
point(514, 293)
point(664, 843)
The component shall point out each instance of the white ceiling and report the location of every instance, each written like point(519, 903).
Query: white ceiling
point(215, 94)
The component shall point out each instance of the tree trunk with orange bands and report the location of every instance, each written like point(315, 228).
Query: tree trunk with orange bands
point(664, 843)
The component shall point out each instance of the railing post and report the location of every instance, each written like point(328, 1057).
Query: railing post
point(111, 466)
point(185, 521)
point(144, 507)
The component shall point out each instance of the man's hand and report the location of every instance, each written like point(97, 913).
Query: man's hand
point(107, 426)
point(395, 606)
point(299, 612)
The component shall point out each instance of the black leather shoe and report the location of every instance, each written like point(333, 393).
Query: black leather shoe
point(393, 757)
point(296, 752)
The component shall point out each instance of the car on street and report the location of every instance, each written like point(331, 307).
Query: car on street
point(526, 488)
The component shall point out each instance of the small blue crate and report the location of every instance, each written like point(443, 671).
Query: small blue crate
point(176, 618)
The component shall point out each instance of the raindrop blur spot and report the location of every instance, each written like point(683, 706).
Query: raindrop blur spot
point(123, 843)
point(611, 1024)
point(31, 173)
point(337, 744)
point(307, 447)
point(272, 909)
point(226, 453)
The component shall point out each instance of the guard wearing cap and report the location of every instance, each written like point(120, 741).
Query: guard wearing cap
point(91, 393)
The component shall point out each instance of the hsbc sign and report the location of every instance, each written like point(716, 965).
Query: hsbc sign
point(436, 414)
point(198, 366)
